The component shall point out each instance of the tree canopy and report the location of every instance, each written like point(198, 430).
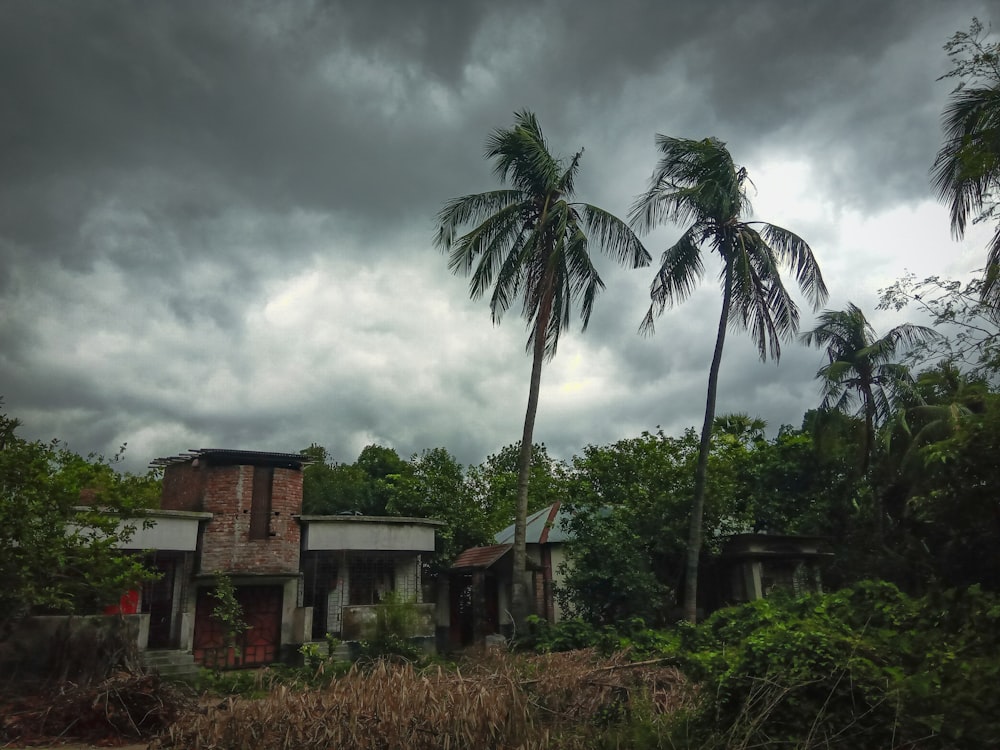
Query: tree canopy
point(62, 519)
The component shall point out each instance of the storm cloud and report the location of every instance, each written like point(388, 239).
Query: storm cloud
point(216, 219)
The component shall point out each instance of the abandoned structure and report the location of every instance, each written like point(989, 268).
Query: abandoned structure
point(480, 578)
point(750, 567)
point(239, 514)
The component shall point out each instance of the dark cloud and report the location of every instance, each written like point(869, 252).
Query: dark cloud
point(216, 218)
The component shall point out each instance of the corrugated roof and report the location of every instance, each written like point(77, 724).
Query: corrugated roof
point(545, 526)
point(481, 557)
point(225, 455)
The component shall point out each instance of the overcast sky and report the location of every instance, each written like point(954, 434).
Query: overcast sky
point(216, 219)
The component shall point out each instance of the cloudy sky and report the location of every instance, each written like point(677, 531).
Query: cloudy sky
point(216, 219)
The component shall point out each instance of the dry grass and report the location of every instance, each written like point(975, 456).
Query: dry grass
point(122, 706)
point(497, 701)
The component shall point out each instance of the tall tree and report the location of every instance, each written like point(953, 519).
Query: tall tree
point(529, 241)
point(862, 375)
point(966, 171)
point(696, 183)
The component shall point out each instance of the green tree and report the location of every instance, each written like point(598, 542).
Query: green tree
point(530, 242)
point(970, 326)
point(944, 396)
point(741, 427)
point(696, 183)
point(953, 503)
point(630, 503)
point(379, 464)
point(966, 172)
point(330, 487)
point(494, 482)
point(862, 375)
point(432, 485)
point(57, 554)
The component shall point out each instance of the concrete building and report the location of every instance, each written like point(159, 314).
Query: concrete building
point(239, 514)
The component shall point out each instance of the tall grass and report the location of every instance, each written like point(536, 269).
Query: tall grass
point(569, 700)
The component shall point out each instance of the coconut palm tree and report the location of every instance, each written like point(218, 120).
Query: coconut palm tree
point(530, 242)
point(862, 376)
point(966, 171)
point(697, 184)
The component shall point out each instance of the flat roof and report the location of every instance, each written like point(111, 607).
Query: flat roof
point(351, 518)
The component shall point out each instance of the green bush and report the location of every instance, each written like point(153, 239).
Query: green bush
point(396, 619)
point(863, 667)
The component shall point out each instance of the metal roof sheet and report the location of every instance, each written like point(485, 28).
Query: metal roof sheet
point(545, 526)
point(225, 455)
point(481, 557)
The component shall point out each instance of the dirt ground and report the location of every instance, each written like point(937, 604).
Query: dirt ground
point(78, 746)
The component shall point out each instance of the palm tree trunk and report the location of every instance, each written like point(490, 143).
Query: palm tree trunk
point(519, 605)
point(698, 508)
point(867, 462)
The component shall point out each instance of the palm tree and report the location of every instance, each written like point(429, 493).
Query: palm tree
point(861, 375)
point(697, 183)
point(943, 397)
point(740, 427)
point(529, 242)
point(966, 171)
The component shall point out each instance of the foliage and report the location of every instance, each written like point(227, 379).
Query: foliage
point(432, 485)
point(363, 487)
point(966, 171)
point(229, 612)
point(396, 619)
point(629, 636)
point(862, 667)
point(57, 555)
point(973, 326)
point(698, 184)
point(862, 370)
point(952, 507)
point(530, 242)
point(630, 507)
point(493, 483)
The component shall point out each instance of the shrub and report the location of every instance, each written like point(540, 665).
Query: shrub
point(862, 667)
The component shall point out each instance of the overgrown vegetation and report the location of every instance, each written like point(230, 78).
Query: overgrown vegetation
point(866, 666)
point(552, 701)
point(134, 706)
point(62, 519)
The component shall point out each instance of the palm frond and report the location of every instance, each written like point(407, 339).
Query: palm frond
point(614, 236)
point(681, 268)
point(990, 291)
point(585, 280)
point(483, 244)
point(967, 167)
point(693, 181)
point(471, 209)
point(522, 157)
point(792, 250)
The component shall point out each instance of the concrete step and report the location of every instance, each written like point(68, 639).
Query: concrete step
point(171, 664)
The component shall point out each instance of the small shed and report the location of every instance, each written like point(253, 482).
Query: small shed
point(753, 565)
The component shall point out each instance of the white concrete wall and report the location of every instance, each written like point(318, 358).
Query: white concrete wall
point(358, 533)
point(177, 534)
point(557, 553)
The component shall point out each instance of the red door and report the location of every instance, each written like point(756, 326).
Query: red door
point(258, 645)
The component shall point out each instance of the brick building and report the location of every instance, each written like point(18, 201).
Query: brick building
point(239, 514)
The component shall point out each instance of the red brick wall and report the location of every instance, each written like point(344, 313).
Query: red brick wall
point(182, 487)
point(226, 543)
